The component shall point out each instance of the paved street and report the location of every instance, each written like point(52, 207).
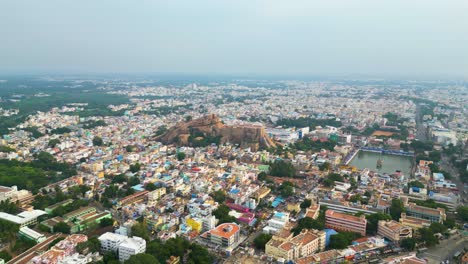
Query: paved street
point(446, 249)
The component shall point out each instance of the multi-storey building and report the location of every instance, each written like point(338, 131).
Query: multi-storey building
point(393, 230)
point(225, 235)
point(291, 247)
point(344, 222)
point(125, 246)
point(426, 213)
point(131, 246)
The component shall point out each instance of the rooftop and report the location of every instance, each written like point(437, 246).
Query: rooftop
point(225, 230)
point(331, 213)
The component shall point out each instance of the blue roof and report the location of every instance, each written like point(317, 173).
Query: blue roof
point(139, 187)
point(235, 191)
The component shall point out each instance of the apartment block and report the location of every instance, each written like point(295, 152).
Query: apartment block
point(345, 222)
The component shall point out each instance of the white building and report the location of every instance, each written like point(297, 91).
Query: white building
point(124, 245)
point(111, 241)
point(76, 259)
point(131, 246)
point(31, 234)
point(276, 223)
point(23, 219)
point(208, 223)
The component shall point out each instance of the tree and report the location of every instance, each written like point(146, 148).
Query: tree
point(338, 242)
point(408, 243)
point(150, 187)
point(437, 227)
point(396, 209)
point(282, 168)
point(261, 240)
point(97, 141)
point(142, 258)
point(135, 167)
point(53, 142)
point(416, 184)
point(92, 245)
point(222, 213)
point(463, 213)
point(62, 227)
point(450, 223)
point(342, 240)
point(262, 176)
point(180, 156)
point(219, 196)
point(331, 178)
point(306, 203)
point(199, 255)
point(140, 230)
point(5, 255)
point(309, 223)
point(427, 236)
point(9, 207)
point(373, 222)
point(106, 222)
point(325, 166)
point(286, 189)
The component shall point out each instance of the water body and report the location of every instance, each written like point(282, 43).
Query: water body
point(390, 164)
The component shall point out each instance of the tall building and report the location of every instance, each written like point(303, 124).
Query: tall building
point(125, 246)
point(394, 231)
point(225, 235)
point(345, 222)
point(131, 246)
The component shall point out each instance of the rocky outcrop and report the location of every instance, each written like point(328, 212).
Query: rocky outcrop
point(211, 128)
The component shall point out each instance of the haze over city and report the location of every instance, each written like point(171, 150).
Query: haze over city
point(411, 39)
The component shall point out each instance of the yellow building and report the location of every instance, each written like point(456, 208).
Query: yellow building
point(195, 224)
point(293, 247)
point(293, 207)
point(413, 222)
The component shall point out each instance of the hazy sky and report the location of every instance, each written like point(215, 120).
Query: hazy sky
point(290, 37)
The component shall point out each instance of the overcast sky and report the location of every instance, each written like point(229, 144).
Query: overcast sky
point(249, 37)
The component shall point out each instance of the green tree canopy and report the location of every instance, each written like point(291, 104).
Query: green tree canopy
point(142, 258)
point(408, 243)
point(97, 141)
point(306, 203)
point(261, 240)
point(282, 168)
point(180, 156)
point(373, 222)
point(62, 227)
point(396, 209)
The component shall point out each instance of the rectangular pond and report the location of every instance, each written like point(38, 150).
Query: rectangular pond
point(390, 163)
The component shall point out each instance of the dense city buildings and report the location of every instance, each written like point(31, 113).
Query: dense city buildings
point(278, 171)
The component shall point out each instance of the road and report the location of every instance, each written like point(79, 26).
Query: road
point(446, 249)
point(421, 131)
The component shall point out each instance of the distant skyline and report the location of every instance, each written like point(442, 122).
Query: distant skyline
point(343, 38)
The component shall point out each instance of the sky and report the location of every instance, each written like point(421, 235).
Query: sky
point(351, 38)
